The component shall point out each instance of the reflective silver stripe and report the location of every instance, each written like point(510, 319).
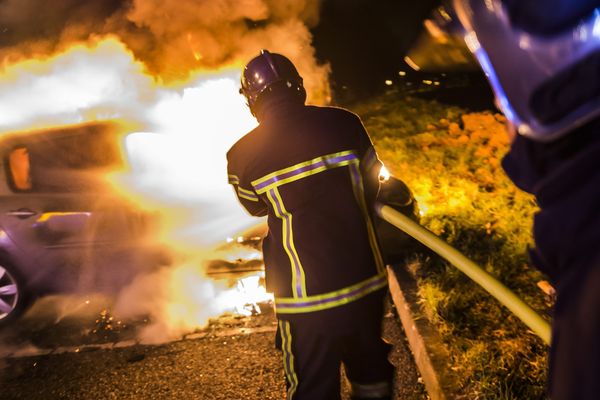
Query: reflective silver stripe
point(371, 390)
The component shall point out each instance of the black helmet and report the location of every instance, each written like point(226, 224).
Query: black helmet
point(269, 73)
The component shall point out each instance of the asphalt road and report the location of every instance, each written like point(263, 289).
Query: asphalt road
point(78, 357)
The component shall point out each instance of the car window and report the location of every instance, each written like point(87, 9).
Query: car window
point(92, 149)
point(72, 162)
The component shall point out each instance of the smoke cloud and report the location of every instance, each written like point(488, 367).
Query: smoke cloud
point(172, 38)
point(177, 301)
point(148, 73)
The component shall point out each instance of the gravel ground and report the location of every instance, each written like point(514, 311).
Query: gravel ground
point(408, 383)
point(233, 359)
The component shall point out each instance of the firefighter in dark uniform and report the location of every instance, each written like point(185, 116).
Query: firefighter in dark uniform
point(314, 173)
point(542, 58)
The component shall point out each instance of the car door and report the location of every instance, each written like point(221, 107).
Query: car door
point(72, 229)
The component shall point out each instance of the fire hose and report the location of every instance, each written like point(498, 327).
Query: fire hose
point(492, 285)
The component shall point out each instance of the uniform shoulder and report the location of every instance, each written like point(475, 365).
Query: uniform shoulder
point(335, 112)
point(245, 141)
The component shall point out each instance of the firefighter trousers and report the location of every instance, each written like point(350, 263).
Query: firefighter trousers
point(312, 359)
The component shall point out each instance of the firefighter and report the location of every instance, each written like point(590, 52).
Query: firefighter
point(314, 173)
point(542, 59)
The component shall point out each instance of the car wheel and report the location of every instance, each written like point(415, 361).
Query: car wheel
point(13, 299)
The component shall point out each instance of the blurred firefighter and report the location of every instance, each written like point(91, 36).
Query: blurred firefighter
point(542, 59)
point(314, 172)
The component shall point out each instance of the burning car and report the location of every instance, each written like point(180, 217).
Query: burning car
point(63, 227)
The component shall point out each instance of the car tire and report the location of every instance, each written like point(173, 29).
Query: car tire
point(13, 297)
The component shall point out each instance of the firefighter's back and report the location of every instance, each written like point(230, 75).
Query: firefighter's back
point(305, 162)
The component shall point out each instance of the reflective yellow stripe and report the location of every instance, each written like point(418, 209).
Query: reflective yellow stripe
point(302, 170)
point(298, 276)
point(302, 175)
point(299, 165)
point(359, 192)
point(233, 179)
point(269, 185)
point(288, 358)
point(243, 193)
point(243, 196)
point(288, 305)
point(247, 194)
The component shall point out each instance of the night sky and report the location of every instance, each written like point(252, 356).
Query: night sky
point(366, 41)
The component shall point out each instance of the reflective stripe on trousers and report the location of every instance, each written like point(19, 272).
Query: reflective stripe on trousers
point(288, 358)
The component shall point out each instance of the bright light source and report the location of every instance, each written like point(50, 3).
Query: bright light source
point(435, 31)
point(389, 82)
point(402, 73)
point(384, 174)
point(472, 42)
point(411, 63)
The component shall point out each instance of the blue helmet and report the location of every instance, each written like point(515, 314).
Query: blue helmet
point(541, 59)
point(270, 73)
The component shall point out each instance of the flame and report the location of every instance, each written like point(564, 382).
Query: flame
point(181, 167)
point(177, 156)
point(249, 292)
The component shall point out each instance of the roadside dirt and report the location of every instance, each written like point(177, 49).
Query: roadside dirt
point(233, 358)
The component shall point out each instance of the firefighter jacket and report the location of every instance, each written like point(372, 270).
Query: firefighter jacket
point(313, 171)
point(564, 176)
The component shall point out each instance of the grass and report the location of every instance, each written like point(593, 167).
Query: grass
point(450, 158)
